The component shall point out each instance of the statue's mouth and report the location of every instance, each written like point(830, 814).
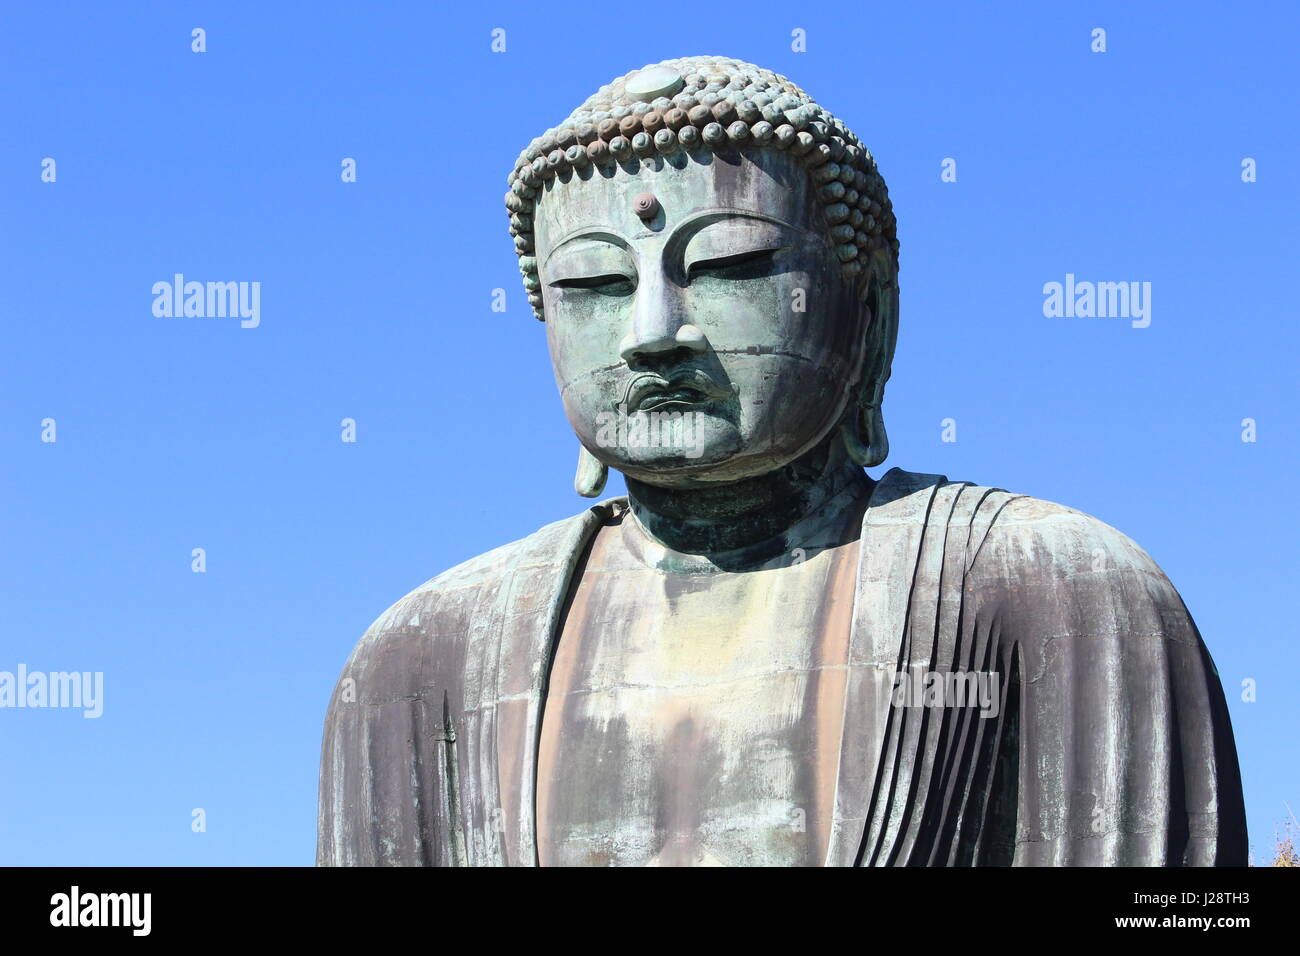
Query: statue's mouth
point(668, 397)
point(650, 392)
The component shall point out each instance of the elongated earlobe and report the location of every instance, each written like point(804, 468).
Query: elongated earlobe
point(863, 428)
point(863, 432)
point(591, 476)
point(852, 444)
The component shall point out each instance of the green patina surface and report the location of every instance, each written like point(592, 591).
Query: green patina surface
point(707, 671)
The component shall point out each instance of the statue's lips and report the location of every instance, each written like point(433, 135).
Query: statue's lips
point(674, 396)
point(648, 392)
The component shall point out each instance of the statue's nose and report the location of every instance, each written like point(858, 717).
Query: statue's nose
point(685, 336)
point(658, 325)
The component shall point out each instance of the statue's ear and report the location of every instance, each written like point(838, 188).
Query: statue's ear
point(592, 474)
point(864, 428)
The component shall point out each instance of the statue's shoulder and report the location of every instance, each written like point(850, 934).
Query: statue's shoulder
point(1046, 574)
point(1013, 533)
point(438, 615)
point(1032, 533)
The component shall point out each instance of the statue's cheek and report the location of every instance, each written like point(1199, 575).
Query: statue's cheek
point(795, 313)
point(584, 331)
point(740, 314)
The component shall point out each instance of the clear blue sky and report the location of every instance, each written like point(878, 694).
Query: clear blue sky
point(179, 433)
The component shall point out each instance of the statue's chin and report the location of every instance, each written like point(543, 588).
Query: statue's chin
point(717, 463)
point(676, 468)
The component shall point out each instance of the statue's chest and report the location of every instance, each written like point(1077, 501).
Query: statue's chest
point(695, 718)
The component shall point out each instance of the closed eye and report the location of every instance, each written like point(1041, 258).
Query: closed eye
point(610, 284)
point(744, 265)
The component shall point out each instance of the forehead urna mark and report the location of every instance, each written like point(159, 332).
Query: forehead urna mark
point(646, 206)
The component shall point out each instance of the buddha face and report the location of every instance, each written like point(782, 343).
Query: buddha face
point(697, 319)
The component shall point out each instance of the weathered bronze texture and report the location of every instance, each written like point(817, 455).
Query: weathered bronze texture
point(645, 206)
point(760, 655)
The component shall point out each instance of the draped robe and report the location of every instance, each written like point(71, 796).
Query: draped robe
point(1112, 743)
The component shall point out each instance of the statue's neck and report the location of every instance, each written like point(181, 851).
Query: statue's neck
point(747, 514)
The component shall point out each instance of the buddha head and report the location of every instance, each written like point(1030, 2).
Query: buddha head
point(714, 257)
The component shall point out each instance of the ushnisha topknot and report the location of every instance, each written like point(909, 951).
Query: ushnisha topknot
point(714, 103)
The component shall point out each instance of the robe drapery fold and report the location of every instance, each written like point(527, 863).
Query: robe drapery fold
point(1111, 743)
